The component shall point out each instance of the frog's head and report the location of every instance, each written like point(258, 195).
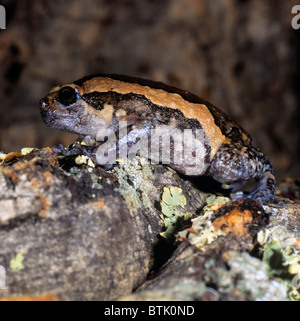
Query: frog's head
point(64, 108)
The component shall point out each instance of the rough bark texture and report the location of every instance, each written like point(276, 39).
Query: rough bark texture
point(80, 233)
point(73, 231)
point(240, 55)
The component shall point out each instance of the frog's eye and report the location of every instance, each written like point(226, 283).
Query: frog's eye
point(67, 95)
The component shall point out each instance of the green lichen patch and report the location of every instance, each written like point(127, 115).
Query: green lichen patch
point(173, 214)
point(248, 275)
point(17, 262)
point(135, 183)
point(202, 231)
point(283, 263)
point(216, 200)
point(26, 150)
point(171, 198)
point(279, 245)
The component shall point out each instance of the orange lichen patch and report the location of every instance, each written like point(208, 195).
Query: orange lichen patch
point(242, 218)
point(45, 206)
point(234, 222)
point(297, 244)
point(35, 183)
point(11, 156)
point(13, 171)
point(41, 297)
point(25, 167)
point(12, 175)
point(48, 178)
point(52, 161)
point(98, 204)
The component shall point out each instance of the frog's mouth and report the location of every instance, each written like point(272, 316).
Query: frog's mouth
point(58, 121)
point(59, 118)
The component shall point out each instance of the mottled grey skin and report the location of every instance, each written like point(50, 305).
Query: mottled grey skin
point(236, 161)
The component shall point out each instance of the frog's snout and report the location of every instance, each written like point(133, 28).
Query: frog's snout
point(44, 103)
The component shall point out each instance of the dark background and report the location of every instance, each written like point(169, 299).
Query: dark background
point(242, 55)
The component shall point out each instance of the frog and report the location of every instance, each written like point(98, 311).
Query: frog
point(218, 146)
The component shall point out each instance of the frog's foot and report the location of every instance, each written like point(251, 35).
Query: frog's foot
point(75, 149)
point(264, 189)
point(62, 150)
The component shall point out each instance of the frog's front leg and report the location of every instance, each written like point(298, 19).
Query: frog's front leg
point(75, 148)
point(235, 163)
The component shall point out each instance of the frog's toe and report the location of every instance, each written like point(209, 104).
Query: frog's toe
point(59, 149)
point(264, 189)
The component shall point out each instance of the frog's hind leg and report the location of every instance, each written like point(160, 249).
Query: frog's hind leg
point(264, 188)
point(235, 163)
